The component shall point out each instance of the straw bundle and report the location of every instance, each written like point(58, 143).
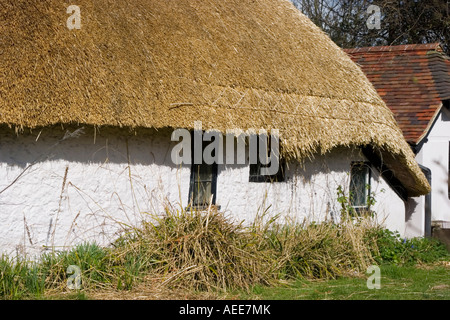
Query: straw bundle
point(230, 64)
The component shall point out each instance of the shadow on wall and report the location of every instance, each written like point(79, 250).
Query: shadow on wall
point(410, 206)
point(87, 145)
point(344, 155)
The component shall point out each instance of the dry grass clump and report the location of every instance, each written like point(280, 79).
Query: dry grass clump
point(199, 250)
point(323, 250)
point(209, 251)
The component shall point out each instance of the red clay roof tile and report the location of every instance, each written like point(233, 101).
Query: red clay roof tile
point(413, 80)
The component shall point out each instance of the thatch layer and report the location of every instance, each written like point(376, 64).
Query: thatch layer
point(230, 64)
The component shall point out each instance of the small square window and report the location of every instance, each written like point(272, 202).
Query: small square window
point(256, 176)
point(255, 169)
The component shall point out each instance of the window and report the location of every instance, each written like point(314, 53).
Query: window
point(203, 185)
point(255, 169)
point(202, 189)
point(256, 176)
point(360, 185)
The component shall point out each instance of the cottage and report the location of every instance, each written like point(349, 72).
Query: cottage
point(88, 117)
point(414, 81)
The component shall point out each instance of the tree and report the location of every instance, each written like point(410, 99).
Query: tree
point(402, 21)
point(417, 21)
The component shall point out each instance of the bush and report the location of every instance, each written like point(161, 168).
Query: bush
point(391, 248)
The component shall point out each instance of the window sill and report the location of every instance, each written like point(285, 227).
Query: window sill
point(203, 208)
point(268, 179)
point(363, 211)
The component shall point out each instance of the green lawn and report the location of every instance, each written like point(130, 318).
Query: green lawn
point(397, 283)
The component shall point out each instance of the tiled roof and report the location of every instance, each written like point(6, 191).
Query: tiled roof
point(413, 80)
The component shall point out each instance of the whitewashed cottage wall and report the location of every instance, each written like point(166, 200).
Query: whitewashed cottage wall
point(434, 155)
point(91, 187)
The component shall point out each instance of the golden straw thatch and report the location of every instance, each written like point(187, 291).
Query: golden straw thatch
point(166, 63)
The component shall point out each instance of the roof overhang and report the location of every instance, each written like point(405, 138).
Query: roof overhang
point(376, 158)
point(424, 137)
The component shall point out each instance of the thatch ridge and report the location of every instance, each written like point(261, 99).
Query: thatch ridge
point(230, 64)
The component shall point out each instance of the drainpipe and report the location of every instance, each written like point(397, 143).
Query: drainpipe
point(427, 172)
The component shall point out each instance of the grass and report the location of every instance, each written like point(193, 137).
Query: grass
point(397, 283)
point(208, 253)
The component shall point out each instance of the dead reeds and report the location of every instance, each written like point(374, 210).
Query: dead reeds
point(200, 250)
point(209, 251)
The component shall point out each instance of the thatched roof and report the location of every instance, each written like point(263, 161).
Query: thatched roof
point(230, 64)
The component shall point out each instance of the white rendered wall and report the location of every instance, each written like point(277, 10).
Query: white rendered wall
point(107, 188)
point(309, 192)
point(390, 208)
point(100, 188)
point(415, 217)
point(415, 213)
point(434, 155)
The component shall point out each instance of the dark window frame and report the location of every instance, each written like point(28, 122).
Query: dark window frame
point(255, 169)
point(280, 176)
point(195, 169)
point(367, 187)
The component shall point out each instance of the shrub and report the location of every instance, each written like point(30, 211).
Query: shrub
point(391, 248)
